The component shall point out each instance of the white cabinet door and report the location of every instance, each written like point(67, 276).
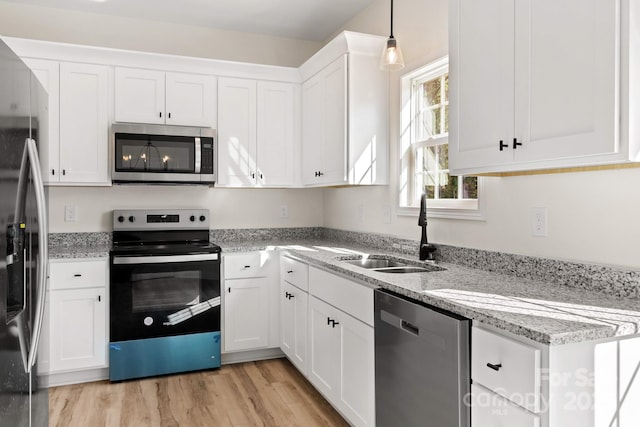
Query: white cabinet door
point(190, 100)
point(566, 104)
point(84, 123)
point(335, 144)
point(275, 134)
point(482, 83)
point(78, 337)
point(513, 84)
point(490, 410)
point(246, 314)
point(324, 125)
point(139, 96)
point(157, 97)
point(341, 361)
point(293, 321)
point(48, 74)
point(357, 385)
point(313, 129)
point(324, 348)
point(237, 131)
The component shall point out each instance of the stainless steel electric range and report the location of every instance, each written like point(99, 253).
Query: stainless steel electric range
point(164, 293)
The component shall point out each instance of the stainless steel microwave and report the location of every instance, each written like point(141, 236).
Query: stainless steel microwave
point(158, 154)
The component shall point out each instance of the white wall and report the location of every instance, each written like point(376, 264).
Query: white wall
point(592, 216)
point(40, 23)
point(230, 208)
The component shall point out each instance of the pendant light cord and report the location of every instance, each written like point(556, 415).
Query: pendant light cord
point(391, 35)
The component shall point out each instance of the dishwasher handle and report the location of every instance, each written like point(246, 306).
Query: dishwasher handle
point(399, 323)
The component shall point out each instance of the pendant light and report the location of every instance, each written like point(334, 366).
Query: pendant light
point(391, 55)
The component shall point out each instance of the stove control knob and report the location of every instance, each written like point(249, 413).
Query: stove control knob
point(148, 321)
point(192, 218)
point(132, 218)
point(202, 218)
point(120, 218)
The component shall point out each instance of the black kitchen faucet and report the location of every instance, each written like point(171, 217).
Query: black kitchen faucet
point(427, 250)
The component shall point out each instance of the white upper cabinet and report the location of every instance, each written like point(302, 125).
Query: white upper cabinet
point(541, 84)
point(149, 96)
point(48, 74)
point(256, 126)
point(84, 123)
point(324, 124)
point(345, 113)
point(139, 96)
point(74, 122)
point(276, 129)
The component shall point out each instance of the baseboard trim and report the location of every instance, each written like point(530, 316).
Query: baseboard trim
point(100, 374)
point(251, 356)
point(73, 377)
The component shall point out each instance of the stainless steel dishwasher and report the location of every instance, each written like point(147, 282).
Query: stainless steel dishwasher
point(422, 364)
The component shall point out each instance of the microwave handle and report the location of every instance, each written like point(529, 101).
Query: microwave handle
point(198, 153)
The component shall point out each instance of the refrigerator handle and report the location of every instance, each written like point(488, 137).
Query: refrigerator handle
point(43, 255)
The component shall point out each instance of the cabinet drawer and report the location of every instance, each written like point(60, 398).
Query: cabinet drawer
point(490, 410)
point(77, 274)
point(245, 265)
point(516, 367)
point(295, 272)
point(351, 297)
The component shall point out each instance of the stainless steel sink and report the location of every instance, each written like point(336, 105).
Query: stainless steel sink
point(375, 263)
point(407, 270)
point(389, 264)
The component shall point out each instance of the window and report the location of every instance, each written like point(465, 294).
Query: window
point(425, 148)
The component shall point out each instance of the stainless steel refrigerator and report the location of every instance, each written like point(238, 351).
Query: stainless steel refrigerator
point(23, 243)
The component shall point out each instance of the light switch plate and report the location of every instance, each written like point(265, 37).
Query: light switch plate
point(70, 213)
point(539, 222)
point(284, 211)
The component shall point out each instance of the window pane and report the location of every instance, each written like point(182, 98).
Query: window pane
point(432, 92)
point(446, 86)
point(436, 120)
point(470, 187)
point(443, 156)
point(441, 186)
point(446, 119)
point(426, 127)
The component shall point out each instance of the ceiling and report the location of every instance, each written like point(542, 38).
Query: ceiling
point(300, 19)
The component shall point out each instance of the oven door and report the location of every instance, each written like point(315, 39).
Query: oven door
point(160, 296)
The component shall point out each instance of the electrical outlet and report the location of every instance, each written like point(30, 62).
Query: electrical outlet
point(386, 214)
point(284, 211)
point(539, 222)
point(70, 213)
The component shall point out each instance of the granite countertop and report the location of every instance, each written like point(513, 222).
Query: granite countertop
point(547, 313)
point(79, 251)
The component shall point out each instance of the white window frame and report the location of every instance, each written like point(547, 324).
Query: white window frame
point(408, 201)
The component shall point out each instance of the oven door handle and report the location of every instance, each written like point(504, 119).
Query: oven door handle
point(128, 260)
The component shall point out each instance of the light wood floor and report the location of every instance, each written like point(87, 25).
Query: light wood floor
point(265, 393)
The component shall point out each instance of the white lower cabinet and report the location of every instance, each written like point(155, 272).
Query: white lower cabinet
point(341, 361)
point(340, 345)
point(78, 329)
point(77, 316)
point(490, 410)
point(246, 314)
point(250, 301)
point(293, 324)
point(325, 333)
point(510, 368)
